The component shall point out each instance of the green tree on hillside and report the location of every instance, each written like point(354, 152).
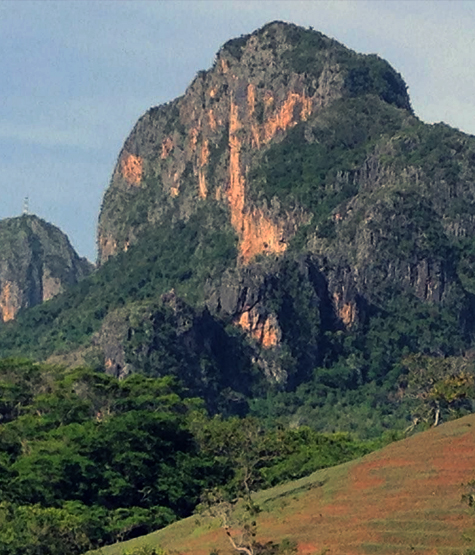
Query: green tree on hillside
point(439, 386)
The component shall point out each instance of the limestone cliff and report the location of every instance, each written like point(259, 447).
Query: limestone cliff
point(297, 207)
point(36, 263)
point(202, 145)
point(169, 337)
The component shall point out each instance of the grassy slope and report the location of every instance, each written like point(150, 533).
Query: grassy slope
point(405, 498)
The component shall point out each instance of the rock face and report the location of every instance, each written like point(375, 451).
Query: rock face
point(320, 165)
point(36, 263)
point(202, 145)
point(297, 207)
point(170, 337)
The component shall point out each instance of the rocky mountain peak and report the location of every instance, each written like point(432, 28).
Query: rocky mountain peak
point(37, 262)
point(302, 216)
point(202, 145)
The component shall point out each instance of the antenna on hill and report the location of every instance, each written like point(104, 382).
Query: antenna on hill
point(26, 206)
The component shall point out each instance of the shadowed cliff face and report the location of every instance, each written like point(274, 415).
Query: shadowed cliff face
point(36, 263)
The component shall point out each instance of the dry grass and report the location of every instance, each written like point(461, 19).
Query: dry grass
point(405, 498)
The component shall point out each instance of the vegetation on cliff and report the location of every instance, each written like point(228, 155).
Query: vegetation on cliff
point(181, 256)
point(280, 238)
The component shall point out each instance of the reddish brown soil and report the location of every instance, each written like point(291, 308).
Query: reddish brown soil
point(405, 498)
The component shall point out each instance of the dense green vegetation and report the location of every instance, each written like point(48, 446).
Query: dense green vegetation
point(87, 459)
point(315, 164)
point(180, 256)
point(115, 457)
point(356, 375)
point(310, 51)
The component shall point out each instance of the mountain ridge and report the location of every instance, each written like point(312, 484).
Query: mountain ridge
point(292, 198)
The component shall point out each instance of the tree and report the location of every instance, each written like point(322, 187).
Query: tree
point(35, 530)
point(241, 446)
point(440, 386)
point(244, 447)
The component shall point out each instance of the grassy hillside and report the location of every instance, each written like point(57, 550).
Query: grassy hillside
point(405, 498)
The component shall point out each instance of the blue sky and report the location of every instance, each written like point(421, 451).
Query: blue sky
point(75, 76)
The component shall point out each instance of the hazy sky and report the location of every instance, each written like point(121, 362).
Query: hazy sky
point(75, 76)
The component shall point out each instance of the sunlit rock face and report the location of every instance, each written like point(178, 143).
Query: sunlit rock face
point(203, 148)
point(288, 207)
point(201, 145)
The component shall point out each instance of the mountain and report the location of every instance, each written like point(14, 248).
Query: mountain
point(281, 238)
point(37, 262)
point(203, 146)
point(404, 498)
point(308, 154)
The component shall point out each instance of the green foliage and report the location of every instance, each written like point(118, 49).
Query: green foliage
point(35, 530)
point(257, 457)
point(292, 297)
point(102, 459)
point(466, 263)
point(373, 75)
point(355, 386)
point(217, 367)
point(145, 550)
point(307, 451)
point(310, 51)
point(313, 167)
point(441, 387)
point(305, 56)
point(435, 149)
point(181, 256)
point(418, 235)
point(329, 403)
point(87, 459)
point(234, 46)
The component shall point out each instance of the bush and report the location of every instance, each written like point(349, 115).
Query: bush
point(145, 550)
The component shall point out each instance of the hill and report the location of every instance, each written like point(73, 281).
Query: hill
point(405, 498)
point(283, 237)
point(37, 262)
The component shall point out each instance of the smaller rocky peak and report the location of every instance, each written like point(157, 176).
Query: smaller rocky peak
point(37, 262)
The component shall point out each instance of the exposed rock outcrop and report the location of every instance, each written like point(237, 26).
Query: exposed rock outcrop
point(203, 143)
point(37, 262)
point(171, 337)
point(299, 209)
